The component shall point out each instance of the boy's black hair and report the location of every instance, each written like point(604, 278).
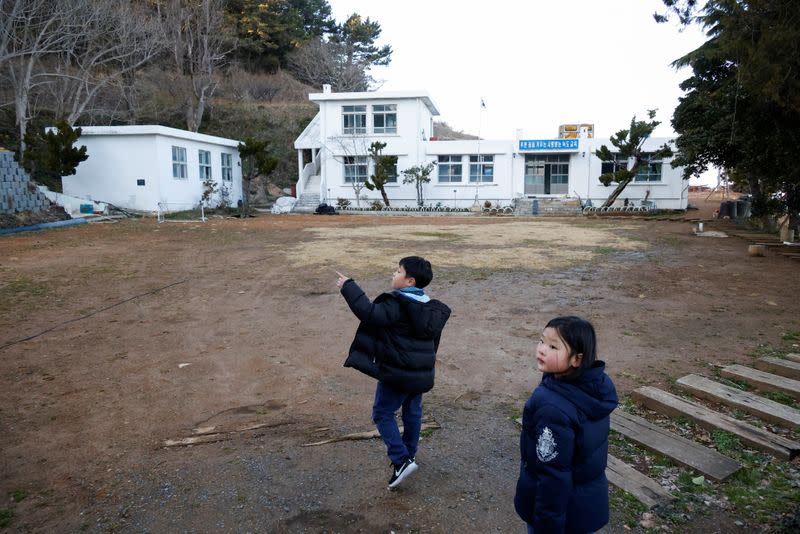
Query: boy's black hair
point(579, 336)
point(419, 269)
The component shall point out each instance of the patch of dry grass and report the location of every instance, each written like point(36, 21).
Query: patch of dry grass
point(529, 245)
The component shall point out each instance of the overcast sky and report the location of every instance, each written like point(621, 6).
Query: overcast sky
point(535, 63)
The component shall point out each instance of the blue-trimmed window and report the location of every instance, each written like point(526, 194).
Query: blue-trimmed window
point(179, 169)
point(450, 169)
point(481, 168)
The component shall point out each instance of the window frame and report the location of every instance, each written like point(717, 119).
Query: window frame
point(353, 113)
point(226, 166)
point(450, 164)
point(386, 111)
point(204, 169)
point(179, 164)
point(481, 163)
point(355, 163)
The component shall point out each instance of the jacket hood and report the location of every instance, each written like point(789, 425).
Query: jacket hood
point(593, 393)
point(427, 319)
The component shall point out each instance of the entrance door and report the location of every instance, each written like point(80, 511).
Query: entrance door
point(546, 174)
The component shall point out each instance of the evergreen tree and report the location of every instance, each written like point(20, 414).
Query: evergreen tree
point(358, 38)
point(256, 161)
point(741, 110)
point(384, 169)
point(629, 149)
point(419, 175)
point(52, 154)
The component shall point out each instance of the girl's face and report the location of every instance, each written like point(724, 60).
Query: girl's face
point(553, 354)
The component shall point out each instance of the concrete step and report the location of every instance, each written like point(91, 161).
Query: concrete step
point(567, 207)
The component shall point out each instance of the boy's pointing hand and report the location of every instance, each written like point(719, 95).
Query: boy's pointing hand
point(342, 279)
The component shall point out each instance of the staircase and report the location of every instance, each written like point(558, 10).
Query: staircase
point(309, 199)
point(553, 207)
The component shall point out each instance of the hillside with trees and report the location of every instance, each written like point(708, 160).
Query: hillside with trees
point(233, 68)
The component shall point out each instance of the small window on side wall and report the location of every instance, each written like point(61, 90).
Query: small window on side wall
point(140, 182)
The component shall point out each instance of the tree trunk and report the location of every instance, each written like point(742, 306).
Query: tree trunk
point(419, 194)
point(245, 212)
point(385, 197)
point(616, 193)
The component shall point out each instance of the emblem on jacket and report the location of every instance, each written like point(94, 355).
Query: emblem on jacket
point(546, 446)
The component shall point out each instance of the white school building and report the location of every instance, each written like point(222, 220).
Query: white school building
point(142, 167)
point(333, 156)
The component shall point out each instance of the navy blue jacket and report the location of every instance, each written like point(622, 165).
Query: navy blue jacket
point(562, 485)
point(397, 339)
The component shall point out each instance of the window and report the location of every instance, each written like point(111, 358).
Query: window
point(481, 168)
point(204, 156)
point(179, 163)
point(354, 119)
point(355, 169)
point(384, 118)
point(649, 171)
point(450, 168)
point(392, 171)
point(227, 167)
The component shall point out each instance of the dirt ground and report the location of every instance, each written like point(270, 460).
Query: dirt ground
point(117, 337)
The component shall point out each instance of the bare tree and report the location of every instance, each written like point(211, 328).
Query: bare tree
point(32, 31)
point(197, 39)
point(99, 58)
point(354, 146)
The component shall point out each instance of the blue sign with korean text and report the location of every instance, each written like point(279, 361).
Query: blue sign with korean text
point(548, 144)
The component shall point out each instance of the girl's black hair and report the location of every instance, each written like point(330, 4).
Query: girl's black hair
point(579, 336)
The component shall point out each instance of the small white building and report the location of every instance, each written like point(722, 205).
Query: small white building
point(333, 157)
point(142, 167)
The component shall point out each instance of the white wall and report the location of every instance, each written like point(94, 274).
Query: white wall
point(111, 171)
point(412, 146)
point(116, 161)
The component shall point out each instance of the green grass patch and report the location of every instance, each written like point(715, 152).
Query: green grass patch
point(766, 350)
point(627, 506)
point(603, 250)
point(781, 397)
point(791, 336)
point(725, 441)
point(19, 495)
point(6, 516)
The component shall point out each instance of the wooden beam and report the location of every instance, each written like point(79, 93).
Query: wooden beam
point(669, 404)
point(793, 357)
point(779, 366)
point(683, 451)
point(767, 409)
point(626, 478)
point(763, 381)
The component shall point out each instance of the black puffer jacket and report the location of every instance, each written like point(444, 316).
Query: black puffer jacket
point(397, 339)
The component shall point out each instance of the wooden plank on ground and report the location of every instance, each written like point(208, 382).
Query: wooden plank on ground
point(669, 404)
point(684, 451)
point(793, 357)
point(779, 366)
point(763, 381)
point(626, 478)
point(767, 409)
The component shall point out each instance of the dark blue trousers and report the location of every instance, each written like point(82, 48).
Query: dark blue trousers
point(387, 402)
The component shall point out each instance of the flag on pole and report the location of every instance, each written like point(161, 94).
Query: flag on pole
point(483, 104)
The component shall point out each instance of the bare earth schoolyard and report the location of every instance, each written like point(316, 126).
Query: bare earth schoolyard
point(233, 332)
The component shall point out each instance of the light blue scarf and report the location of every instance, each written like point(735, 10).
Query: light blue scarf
point(414, 293)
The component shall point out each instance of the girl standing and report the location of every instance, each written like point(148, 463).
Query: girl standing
point(562, 486)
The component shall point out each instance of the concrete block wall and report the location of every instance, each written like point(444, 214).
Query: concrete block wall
point(17, 193)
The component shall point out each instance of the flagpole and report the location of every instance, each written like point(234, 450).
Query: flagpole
point(480, 163)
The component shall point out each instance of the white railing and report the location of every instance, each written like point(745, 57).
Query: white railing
point(309, 170)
